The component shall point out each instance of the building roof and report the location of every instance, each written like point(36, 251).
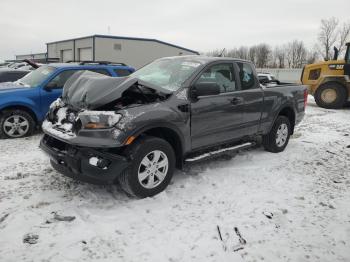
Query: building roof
point(125, 38)
point(31, 54)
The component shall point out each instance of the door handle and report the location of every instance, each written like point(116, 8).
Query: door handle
point(236, 101)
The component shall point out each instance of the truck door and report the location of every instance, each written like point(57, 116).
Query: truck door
point(347, 61)
point(217, 118)
point(253, 98)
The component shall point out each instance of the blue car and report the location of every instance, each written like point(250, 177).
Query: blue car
point(24, 103)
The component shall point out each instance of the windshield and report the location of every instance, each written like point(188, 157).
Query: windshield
point(36, 77)
point(169, 73)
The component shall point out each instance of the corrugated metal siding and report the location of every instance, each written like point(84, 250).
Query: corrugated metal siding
point(283, 74)
point(135, 53)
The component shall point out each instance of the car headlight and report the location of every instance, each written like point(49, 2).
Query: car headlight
point(98, 119)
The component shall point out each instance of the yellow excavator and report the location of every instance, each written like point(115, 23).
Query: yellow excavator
point(329, 81)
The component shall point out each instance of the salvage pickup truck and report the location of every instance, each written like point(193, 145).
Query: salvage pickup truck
point(135, 130)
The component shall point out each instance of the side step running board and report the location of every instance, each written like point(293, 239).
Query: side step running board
point(220, 151)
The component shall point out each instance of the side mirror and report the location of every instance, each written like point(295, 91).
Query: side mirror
point(50, 85)
point(264, 80)
point(205, 89)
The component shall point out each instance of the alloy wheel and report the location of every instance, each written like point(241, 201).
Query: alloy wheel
point(16, 126)
point(281, 135)
point(153, 169)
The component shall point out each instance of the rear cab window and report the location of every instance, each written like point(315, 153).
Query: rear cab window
point(246, 76)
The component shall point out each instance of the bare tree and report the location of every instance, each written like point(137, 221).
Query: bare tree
point(217, 52)
point(296, 54)
point(243, 52)
point(252, 54)
point(262, 55)
point(328, 36)
point(279, 56)
point(312, 55)
point(344, 34)
point(232, 53)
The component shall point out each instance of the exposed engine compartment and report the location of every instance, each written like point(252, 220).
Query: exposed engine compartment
point(64, 119)
point(136, 95)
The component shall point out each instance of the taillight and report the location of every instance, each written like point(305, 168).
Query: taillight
point(305, 98)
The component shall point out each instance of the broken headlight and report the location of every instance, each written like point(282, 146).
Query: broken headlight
point(98, 119)
point(55, 105)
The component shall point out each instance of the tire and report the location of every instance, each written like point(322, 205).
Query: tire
point(277, 140)
point(16, 123)
point(150, 148)
point(331, 95)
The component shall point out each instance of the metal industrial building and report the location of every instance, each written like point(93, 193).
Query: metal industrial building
point(132, 51)
point(38, 57)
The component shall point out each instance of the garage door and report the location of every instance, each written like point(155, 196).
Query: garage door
point(85, 54)
point(66, 55)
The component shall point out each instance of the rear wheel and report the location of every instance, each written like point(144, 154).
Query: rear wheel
point(331, 95)
point(16, 124)
point(277, 139)
point(151, 169)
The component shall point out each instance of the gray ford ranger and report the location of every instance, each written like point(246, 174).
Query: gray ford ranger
point(135, 130)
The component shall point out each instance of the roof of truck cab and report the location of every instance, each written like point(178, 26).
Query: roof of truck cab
point(206, 59)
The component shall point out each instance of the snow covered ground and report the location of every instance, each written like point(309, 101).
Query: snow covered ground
point(292, 206)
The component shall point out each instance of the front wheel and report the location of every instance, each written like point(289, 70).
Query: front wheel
point(16, 123)
point(151, 169)
point(277, 139)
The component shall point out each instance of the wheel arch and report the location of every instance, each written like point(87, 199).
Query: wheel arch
point(288, 112)
point(23, 108)
point(169, 134)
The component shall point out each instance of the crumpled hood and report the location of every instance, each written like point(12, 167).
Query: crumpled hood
point(90, 90)
point(11, 87)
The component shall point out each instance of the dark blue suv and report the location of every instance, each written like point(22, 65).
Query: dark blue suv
point(24, 103)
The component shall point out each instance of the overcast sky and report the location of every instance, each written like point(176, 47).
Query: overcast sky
point(202, 25)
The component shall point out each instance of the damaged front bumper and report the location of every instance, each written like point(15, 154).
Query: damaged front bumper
point(99, 138)
point(87, 164)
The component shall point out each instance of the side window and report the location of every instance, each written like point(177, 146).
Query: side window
point(347, 58)
point(16, 76)
point(61, 78)
point(246, 76)
point(222, 74)
point(101, 71)
point(13, 76)
point(122, 72)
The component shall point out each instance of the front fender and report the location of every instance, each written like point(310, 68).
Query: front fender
point(159, 124)
point(22, 102)
point(138, 120)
